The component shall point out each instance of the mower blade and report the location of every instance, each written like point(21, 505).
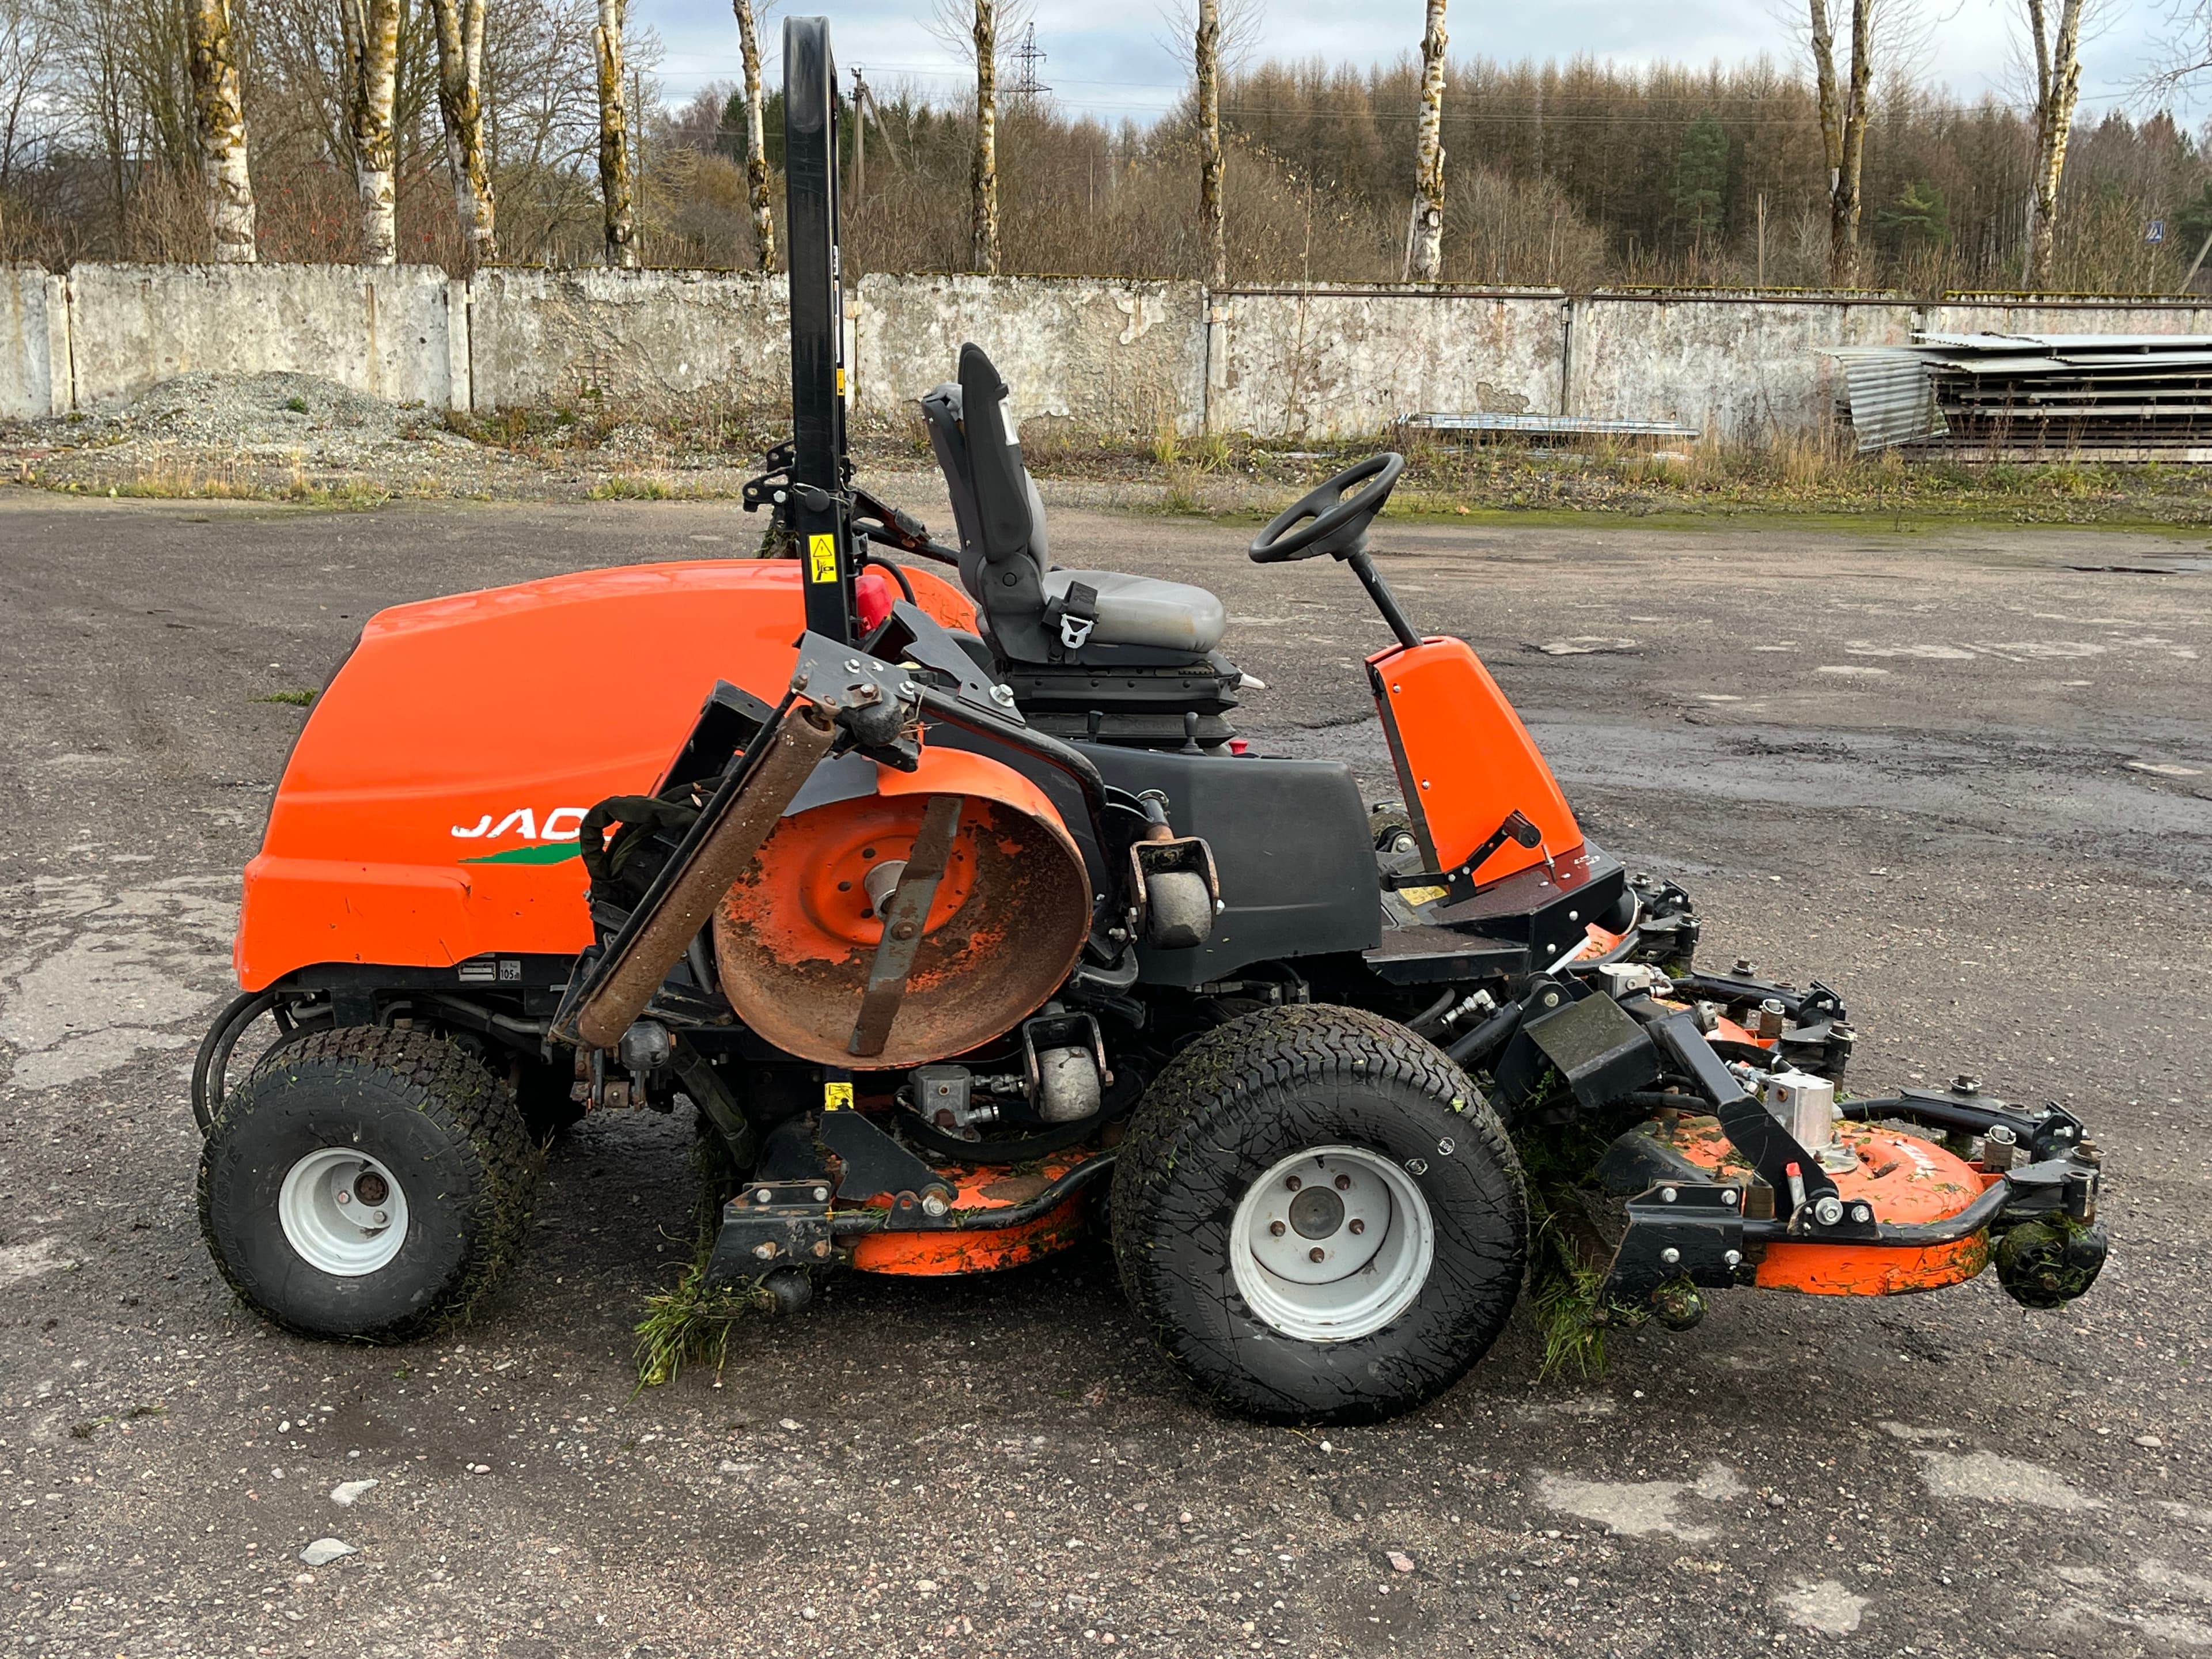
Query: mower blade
point(904, 919)
point(721, 845)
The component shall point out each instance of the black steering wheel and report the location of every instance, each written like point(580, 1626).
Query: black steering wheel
point(1327, 520)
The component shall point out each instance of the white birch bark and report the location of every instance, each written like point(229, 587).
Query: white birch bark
point(220, 124)
point(1428, 260)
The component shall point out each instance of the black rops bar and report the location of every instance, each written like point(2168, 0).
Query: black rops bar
point(817, 511)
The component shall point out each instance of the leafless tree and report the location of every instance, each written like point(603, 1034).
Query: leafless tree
point(1206, 60)
point(1843, 114)
point(26, 80)
point(751, 15)
point(614, 137)
point(1428, 228)
point(221, 129)
point(2057, 46)
point(460, 25)
point(983, 180)
point(370, 30)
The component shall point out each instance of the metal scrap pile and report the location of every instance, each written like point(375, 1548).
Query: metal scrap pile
point(2035, 396)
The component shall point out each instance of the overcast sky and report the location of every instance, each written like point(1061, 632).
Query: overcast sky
point(1111, 59)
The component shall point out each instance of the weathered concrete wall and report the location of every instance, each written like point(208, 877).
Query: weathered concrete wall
point(1122, 356)
point(2011, 314)
point(1125, 356)
point(540, 336)
point(34, 351)
point(1326, 362)
point(1739, 367)
point(384, 332)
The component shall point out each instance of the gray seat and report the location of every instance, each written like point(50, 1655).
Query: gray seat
point(1031, 612)
point(1144, 610)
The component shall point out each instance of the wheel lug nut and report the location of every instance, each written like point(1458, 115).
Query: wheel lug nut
point(1343, 1183)
point(345, 1198)
point(1316, 1254)
point(1360, 1227)
point(1293, 1183)
point(1275, 1228)
point(380, 1217)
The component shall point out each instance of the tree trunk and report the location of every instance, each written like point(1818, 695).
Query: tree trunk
point(222, 131)
point(1842, 130)
point(614, 137)
point(983, 184)
point(1429, 154)
point(1844, 206)
point(1206, 55)
point(370, 32)
point(460, 103)
point(756, 141)
point(2057, 85)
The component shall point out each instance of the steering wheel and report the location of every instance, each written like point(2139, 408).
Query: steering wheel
point(1327, 520)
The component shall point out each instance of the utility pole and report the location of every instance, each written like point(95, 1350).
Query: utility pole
point(1760, 280)
point(1026, 84)
point(860, 136)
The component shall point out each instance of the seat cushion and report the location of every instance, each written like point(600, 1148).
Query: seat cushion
point(1145, 611)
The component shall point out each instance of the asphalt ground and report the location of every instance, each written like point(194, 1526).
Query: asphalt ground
point(1908, 765)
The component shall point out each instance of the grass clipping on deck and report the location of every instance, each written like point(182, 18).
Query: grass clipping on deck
point(1567, 1254)
point(693, 1323)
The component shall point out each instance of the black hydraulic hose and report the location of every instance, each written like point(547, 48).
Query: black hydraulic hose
point(1050, 749)
point(1476, 1046)
point(1433, 1012)
point(1014, 1215)
point(898, 575)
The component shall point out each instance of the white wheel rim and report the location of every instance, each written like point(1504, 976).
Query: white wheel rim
point(329, 1220)
point(1332, 1244)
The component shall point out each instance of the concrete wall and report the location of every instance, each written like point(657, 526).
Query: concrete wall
point(1121, 356)
point(2007, 314)
point(1330, 361)
point(34, 343)
point(387, 332)
point(543, 336)
point(1740, 366)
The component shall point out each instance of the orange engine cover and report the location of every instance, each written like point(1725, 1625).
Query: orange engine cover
point(1464, 759)
point(429, 809)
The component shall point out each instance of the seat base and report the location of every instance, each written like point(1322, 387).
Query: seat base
point(1144, 610)
point(1142, 708)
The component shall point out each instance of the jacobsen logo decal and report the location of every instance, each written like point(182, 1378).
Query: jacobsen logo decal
point(556, 836)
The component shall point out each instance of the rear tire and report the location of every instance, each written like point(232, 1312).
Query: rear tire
point(1367, 1123)
point(365, 1183)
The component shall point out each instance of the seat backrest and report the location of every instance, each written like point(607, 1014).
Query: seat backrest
point(1003, 556)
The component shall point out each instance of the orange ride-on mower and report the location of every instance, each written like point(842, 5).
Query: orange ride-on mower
point(951, 907)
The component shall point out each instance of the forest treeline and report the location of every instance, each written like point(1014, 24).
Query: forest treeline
point(1576, 175)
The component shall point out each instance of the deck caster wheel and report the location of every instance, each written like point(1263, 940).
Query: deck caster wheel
point(1318, 1218)
point(789, 1290)
point(2048, 1261)
point(365, 1183)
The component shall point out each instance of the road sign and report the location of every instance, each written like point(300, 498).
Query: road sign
point(2157, 231)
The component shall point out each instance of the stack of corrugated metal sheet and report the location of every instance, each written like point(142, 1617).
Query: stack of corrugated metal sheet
point(2036, 396)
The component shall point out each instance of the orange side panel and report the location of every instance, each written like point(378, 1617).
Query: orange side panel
point(429, 809)
point(1465, 760)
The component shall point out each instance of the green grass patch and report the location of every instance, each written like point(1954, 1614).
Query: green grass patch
point(693, 1323)
point(291, 699)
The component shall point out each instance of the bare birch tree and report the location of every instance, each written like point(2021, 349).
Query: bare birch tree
point(750, 13)
point(213, 58)
point(460, 105)
point(614, 137)
point(983, 176)
point(1843, 114)
point(2058, 87)
point(1428, 260)
point(1205, 54)
point(370, 32)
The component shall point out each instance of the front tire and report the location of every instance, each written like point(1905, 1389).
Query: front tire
point(365, 1183)
point(1318, 1218)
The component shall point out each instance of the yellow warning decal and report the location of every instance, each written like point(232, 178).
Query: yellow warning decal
point(822, 558)
point(837, 1097)
point(1421, 895)
point(840, 379)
